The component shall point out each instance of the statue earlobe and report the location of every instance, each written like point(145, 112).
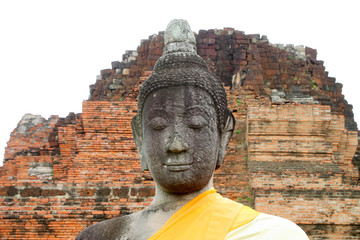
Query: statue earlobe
point(136, 131)
point(225, 137)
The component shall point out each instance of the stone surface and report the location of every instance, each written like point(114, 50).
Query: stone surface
point(179, 37)
point(28, 121)
point(41, 170)
point(183, 108)
point(277, 96)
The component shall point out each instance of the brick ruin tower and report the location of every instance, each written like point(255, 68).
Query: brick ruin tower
point(294, 152)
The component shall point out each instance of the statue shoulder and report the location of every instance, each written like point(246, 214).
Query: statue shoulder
point(116, 228)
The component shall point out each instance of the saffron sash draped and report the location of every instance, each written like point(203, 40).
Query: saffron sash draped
point(208, 216)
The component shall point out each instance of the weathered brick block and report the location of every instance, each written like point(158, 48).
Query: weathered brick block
point(31, 192)
point(121, 192)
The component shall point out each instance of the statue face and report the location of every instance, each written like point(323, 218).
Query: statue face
point(180, 138)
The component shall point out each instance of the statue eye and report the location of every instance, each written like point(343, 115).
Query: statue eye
point(158, 123)
point(197, 122)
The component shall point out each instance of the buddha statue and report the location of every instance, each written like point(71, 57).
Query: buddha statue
point(181, 131)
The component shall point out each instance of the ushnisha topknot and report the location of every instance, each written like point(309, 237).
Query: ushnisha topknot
point(180, 65)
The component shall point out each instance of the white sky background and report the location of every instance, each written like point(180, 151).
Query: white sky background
point(51, 51)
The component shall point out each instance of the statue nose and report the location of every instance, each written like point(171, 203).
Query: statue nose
point(177, 145)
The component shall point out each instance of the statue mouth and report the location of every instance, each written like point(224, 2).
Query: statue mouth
point(177, 167)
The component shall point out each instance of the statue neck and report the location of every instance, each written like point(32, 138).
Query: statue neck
point(172, 200)
point(164, 205)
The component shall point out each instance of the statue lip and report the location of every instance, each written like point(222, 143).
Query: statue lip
point(178, 167)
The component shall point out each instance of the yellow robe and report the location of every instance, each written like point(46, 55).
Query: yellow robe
point(208, 216)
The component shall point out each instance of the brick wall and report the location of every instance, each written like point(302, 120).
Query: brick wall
point(300, 167)
point(289, 160)
point(96, 176)
point(260, 65)
point(293, 160)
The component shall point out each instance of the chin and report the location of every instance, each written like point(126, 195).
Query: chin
point(184, 187)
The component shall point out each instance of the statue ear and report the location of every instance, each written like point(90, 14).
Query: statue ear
point(136, 131)
point(225, 137)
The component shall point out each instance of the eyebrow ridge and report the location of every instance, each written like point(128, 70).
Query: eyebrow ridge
point(200, 108)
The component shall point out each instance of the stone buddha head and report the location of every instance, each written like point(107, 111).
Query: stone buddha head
point(183, 125)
